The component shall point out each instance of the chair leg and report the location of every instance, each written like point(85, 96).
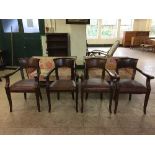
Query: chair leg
point(86, 96)
point(101, 96)
point(49, 100)
point(73, 95)
point(40, 94)
point(76, 99)
point(110, 101)
point(116, 102)
point(58, 95)
point(37, 98)
point(25, 96)
point(82, 93)
point(130, 95)
point(9, 98)
point(146, 101)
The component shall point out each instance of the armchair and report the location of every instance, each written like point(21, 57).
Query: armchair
point(98, 84)
point(24, 85)
point(131, 86)
point(62, 85)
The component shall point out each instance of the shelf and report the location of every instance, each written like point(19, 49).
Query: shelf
point(57, 44)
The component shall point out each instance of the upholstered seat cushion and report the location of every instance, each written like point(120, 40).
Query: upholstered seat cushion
point(128, 85)
point(23, 86)
point(63, 85)
point(95, 84)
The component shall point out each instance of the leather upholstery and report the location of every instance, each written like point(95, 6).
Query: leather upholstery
point(24, 85)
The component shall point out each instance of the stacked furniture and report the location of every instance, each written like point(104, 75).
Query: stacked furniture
point(127, 37)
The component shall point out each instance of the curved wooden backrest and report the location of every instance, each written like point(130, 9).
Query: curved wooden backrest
point(127, 63)
point(29, 64)
point(65, 62)
point(94, 62)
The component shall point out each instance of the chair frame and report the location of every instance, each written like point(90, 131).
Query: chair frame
point(62, 62)
point(132, 64)
point(104, 53)
point(97, 62)
point(24, 65)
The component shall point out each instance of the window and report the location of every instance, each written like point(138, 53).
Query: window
point(30, 25)
point(92, 29)
point(152, 30)
point(108, 29)
point(125, 25)
point(10, 25)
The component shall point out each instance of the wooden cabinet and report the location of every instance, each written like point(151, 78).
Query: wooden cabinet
point(127, 36)
point(58, 44)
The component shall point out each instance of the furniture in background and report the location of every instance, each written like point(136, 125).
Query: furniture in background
point(127, 36)
point(131, 86)
point(137, 41)
point(108, 53)
point(2, 59)
point(24, 85)
point(96, 84)
point(63, 85)
point(58, 44)
point(148, 44)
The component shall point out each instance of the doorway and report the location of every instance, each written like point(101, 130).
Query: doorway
point(21, 38)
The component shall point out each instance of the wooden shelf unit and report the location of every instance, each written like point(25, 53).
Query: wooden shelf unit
point(58, 44)
point(127, 36)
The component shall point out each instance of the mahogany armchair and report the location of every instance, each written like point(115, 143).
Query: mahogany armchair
point(131, 86)
point(63, 85)
point(97, 84)
point(24, 85)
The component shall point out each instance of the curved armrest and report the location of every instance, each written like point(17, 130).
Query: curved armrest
point(112, 76)
point(146, 75)
point(48, 74)
point(104, 52)
point(10, 74)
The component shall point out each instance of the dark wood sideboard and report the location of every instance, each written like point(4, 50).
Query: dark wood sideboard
point(128, 35)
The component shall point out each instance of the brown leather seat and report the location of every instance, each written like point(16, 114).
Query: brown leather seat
point(24, 85)
point(131, 86)
point(27, 85)
point(99, 84)
point(63, 85)
point(95, 83)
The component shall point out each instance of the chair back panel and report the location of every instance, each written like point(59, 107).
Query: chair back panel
point(130, 63)
point(65, 63)
point(29, 64)
point(94, 63)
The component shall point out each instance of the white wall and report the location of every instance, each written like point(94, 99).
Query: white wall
point(77, 36)
point(142, 25)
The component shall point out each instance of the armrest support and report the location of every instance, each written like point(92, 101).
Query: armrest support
point(82, 77)
point(48, 74)
point(112, 76)
point(7, 77)
point(146, 75)
point(10, 74)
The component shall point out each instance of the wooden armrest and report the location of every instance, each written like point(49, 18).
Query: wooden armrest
point(12, 73)
point(146, 75)
point(113, 76)
point(48, 74)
